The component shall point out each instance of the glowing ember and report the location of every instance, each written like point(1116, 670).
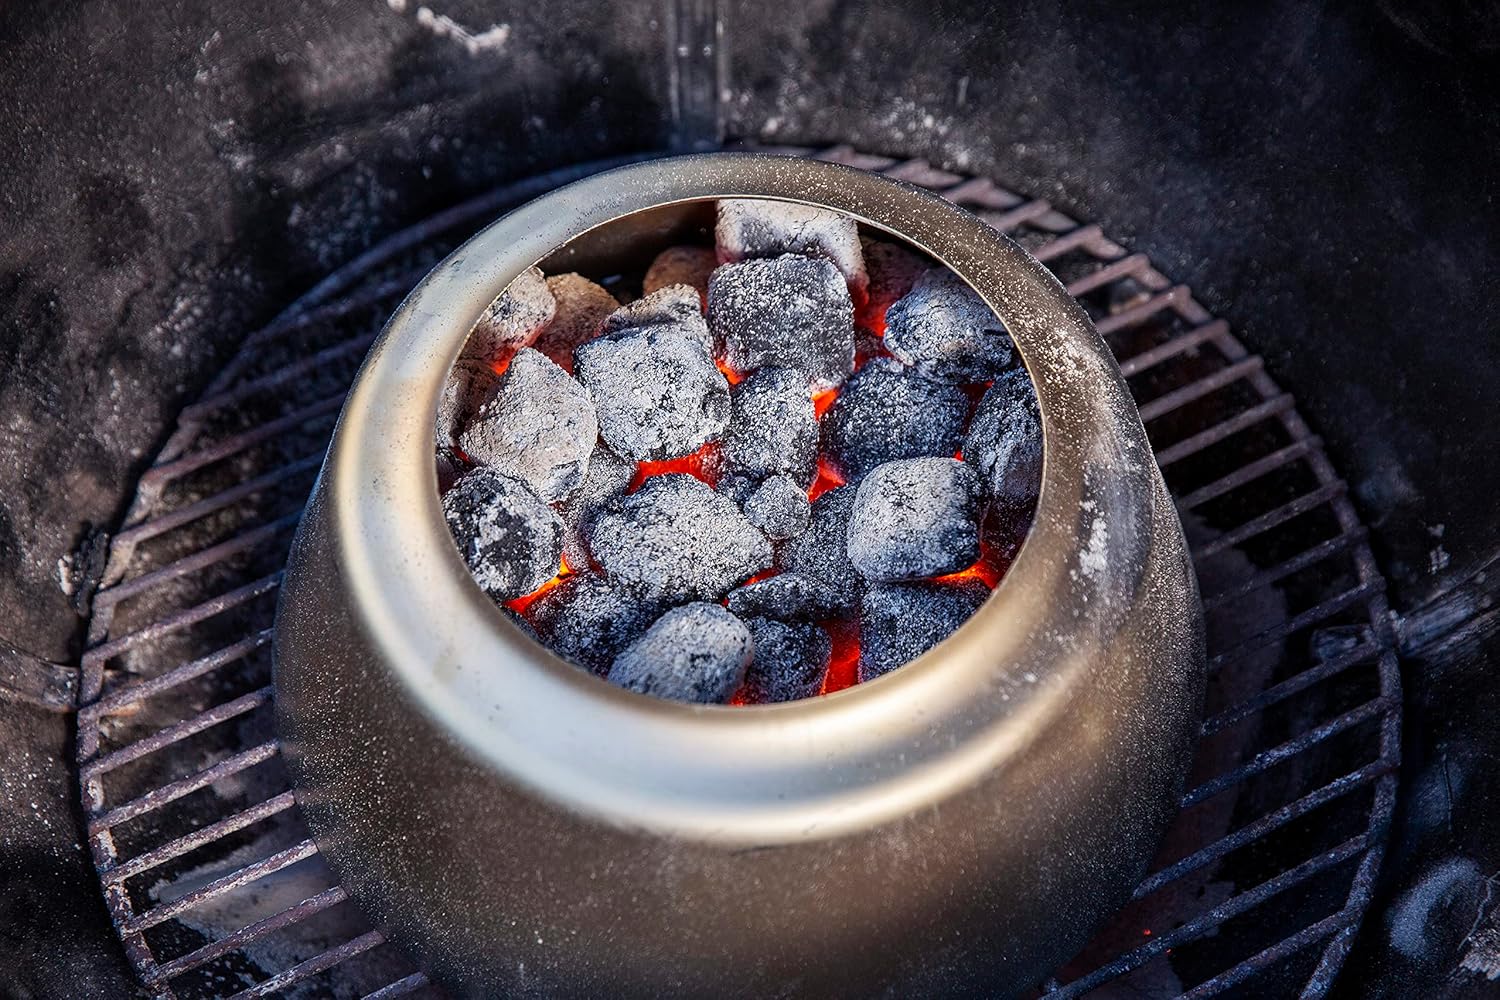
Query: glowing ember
point(843, 666)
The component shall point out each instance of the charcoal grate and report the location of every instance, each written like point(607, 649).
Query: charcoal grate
point(216, 889)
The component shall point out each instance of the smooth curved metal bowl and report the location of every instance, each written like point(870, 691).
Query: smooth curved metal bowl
point(956, 827)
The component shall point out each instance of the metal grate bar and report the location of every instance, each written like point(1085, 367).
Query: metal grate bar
point(158, 797)
point(1197, 389)
point(1224, 429)
point(364, 299)
point(190, 616)
point(1251, 832)
point(1298, 682)
point(1246, 474)
point(1153, 356)
point(1234, 906)
point(1072, 240)
point(1312, 616)
point(158, 475)
point(172, 734)
point(201, 508)
point(281, 376)
point(1267, 759)
point(140, 691)
point(325, 900)
point(1125, 267)
point(1142, 311)
point(199, 838)
point(1272, 956)
point(1271, 519)
point(1323, 550)
point(219, 886)
point(400, 988)
point(313, 966)
point(1020, 215)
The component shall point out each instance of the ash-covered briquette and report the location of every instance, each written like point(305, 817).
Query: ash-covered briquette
point(898, 622)
point(538, 424)
point(657, 391)
point(582, 307)
point(689, 266)
point(791, 311)
point(676, 306)
point(510, 540)
point(916, 518)
point(749, 227)
point(779, 508)
point(889, 412)
point(449, 467)
point(893, 271)
point(773, 430)
point(469, 384)
point(587, 620)
point(608, 477)
point(791, 597)
point(513, 320)
point(1004, 444)
point(944, 330)
point(696, 653)
point(788, 661)
point(675, 540)
point(822, 551)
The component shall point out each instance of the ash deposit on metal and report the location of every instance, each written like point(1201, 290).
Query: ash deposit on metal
point(707, 493)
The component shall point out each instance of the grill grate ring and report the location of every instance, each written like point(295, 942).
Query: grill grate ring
point(1263, 880)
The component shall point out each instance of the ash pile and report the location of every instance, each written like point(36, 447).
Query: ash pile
point(755, 472)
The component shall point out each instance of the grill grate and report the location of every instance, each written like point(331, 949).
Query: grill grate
point(216, 889)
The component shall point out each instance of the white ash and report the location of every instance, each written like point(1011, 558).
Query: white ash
point(582, 307)
point(676, 306)
point(779, 508)
point(539, 424)
point(789, 310)
point(893, 270)
point(608, 477)
point(748, 227)
point(944, 330)
point(788, 661)
point(675, 539)
point(681, 266)
point(469, 384)
point(792, 597)
point(696, 653)
point(822, 551)
point(773, 430)
point(513, 320)
point(587, 620)
point(916, 518)
point(657, 391)
point(888, 412)
point(510, 540)
point(1004, 442)
point(898, 622)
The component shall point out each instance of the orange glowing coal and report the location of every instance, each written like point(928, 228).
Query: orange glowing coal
point(520, 604)
point(692, 464)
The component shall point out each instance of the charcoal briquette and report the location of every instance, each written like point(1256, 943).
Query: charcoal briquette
point(893, 270)
point(513, 320)
point(587, 620)
point(468, 385)
point(915, 518)
point(888, 412)
point(791, 311)
point(676, 306)
point(695, 653)
point(792, 597)
point(779, 508)
point(944, 330)
point(510, 540)
point(821, 552)
point(683, 265)
point(608, 477)
point(773, 430)
point(788, 661)
point(582, 307)
point(1004, 442)
point(538, 424)
point(753, 227)
point(898, 622)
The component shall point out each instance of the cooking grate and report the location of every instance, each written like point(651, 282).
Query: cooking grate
point(216, 888)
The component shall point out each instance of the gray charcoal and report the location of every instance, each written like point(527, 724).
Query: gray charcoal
point(513, 320)
point(676, 540)
point(510, 540)
point(450, 465)
point(821, 553)
point(586, 620)
point(943, 329)
point(750, 227)
point(893, 271)
point(898, 622)
point(791, 597)
point(779, 508)
point(539, 425)
point(888, 412)
point(468, 385)
point(608, 477)
point(681, 266)
point(1002, 533)
point(582, 307)
point(792, 311)
point(1004, 444)
point(788, 661)
point(658, 392)
point(696, 653)
point(773, 430)
point(916, 518)
point(676, 306)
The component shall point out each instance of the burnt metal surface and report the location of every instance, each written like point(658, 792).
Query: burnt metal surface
point(1266, 873)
